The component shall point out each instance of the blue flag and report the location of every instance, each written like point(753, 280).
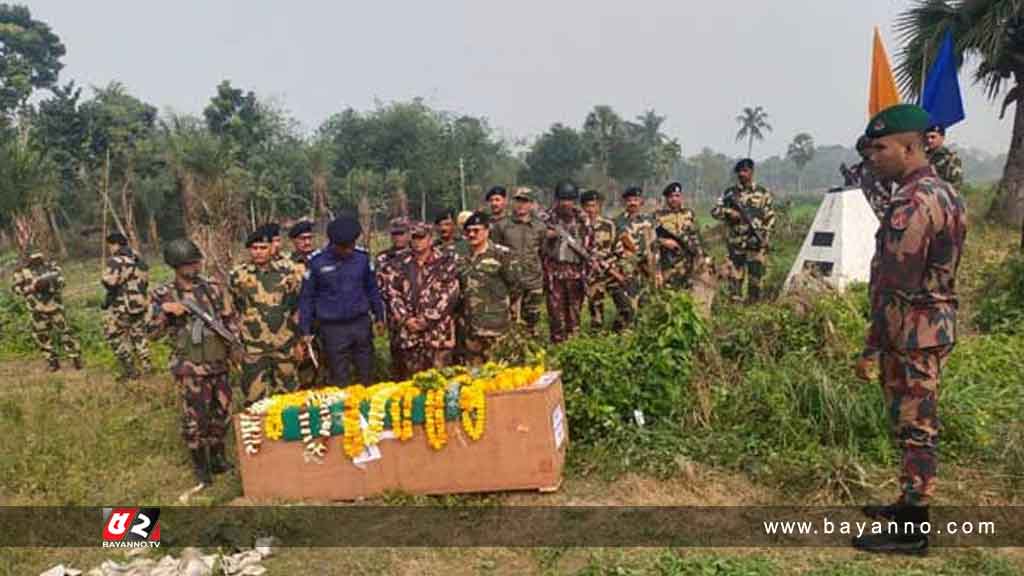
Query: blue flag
point(941, 96)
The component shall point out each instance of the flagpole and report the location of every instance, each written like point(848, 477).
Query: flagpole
point(924, 69)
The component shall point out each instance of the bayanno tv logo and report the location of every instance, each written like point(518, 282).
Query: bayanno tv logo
point(131, 527)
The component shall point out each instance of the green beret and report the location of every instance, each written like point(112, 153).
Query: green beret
point(897, 120)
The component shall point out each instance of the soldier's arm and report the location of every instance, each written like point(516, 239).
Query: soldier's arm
point(58, 283)
point(720, 211)
point(113, 274)
point(228, 316)
point(306, 305)
point(769, 212)
point(373, 293)
point(157, 320)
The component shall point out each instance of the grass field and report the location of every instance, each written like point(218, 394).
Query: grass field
point(82, 439)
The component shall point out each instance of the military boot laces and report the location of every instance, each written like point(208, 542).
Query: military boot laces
point(902, 535)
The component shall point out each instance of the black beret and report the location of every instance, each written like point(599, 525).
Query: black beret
point(344, 230)
point(632, 191)
point(117, 238)
point(273, 228)
point(261, 234)
point(589, 196)
point(672, 188)
point(745, 163)
point(300, 227)
point(477, 219)
point(446, 214)
point(936, 128)
point(496, 191)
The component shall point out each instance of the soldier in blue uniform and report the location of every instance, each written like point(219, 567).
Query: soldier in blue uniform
point(339, 293)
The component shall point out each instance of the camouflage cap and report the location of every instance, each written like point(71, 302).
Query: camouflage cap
point(417, 228)
point(523, 193)
point(399, 225)
point(898, 119)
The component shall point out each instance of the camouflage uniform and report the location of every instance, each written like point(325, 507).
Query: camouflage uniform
point(565, 274)
point(877, 190)
point(126, 280)
point(747, 254)
point(525, 238)
point(199, 361)
point(627, 295)
point(430, 293)
point(677, 266)
point(597, 283)
point(947, 165)
point(384, 269)
point(47, 307)
point(913, 317)
point(486, 282)
point(266, 298)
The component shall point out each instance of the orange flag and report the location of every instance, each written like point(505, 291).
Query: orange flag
point(882, 93)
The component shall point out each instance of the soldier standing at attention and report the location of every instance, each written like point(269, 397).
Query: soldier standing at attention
point(200, 356)
point(748, 210)
point(947, 163)
point(384, 269)
point(40, 282)
point(487, 279)
point(422, 293)
point(568, 239)
point(301, 235)
point(524, 235)
point(604, 245)
point(265, 296)
point(638, 227)
point(497, 200)
point(126, 280)
point(913, 312)
point(339, 292)
point(678, 234)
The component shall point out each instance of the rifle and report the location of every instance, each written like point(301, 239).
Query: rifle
point(564, 236)
point(213, 323)
point(662, 232)
point(745, 216)
point(112, 294)
point(46, 279)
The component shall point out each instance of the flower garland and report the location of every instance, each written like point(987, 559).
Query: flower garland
point(474, 410)
point(437, 432)
point(252, 432)
point(379, 395)
point(408, 397)
point(353, 441)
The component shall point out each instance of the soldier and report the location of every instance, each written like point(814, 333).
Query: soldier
point(497, 200)
point(265, 296)
point(638, 227)
point(200, 356)
point(445, 225)
point(384, 269)
point(339, 292)
point(603, 251)
point(275, 244)
point(301, 235)
point(524, 235)
point(126, 280)
point(487, 278)
point(678, 235)
point(40, 282)
point(747, 209)
point(422, 292)
point(913, 312)
point(565, 261)
point(877, 191)
point(946, 162)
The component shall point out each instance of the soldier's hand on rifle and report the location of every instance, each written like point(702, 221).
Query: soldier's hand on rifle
point(173, 308)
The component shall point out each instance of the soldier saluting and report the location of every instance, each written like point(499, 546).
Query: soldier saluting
point(193, 312)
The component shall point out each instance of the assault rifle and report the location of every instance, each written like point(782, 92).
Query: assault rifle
point(213, 323)
point(45, 280)
point(730, 199)
point(662, 232)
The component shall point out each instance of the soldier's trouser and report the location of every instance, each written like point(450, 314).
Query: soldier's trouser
point(422, 358)
point(747, 264)
point(348, 341)
point(206, 408)
point(910, 385)
point(43, 328)
point(126, 335)
point(525, 307)
point(398, 369)
point(596, 294)
point(677, 277)
point(478, 349)
point(264, 376)
point(565, 301)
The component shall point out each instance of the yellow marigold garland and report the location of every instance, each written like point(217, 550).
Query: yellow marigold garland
point(474, 410)
point(353, 440)
point(437, 433)
point(408, 397)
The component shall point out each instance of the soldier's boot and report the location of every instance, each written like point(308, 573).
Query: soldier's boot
point(54, 364)
point(218, 462)
point(880, 511)
point(907, 538)
point(77, 362)
point(201, 465)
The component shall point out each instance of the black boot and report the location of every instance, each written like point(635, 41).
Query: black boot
point(880, 511)
point(201, 465)
point(54, 364)
point(218, 462)
point(905, 538)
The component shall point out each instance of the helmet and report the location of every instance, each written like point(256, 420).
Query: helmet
point(566, 190)
point(181, 251)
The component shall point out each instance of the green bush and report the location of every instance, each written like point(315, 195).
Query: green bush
point(1001, 304)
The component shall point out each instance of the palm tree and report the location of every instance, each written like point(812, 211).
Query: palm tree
point(991, 33)
point(753, 124)
point(602, 129)
point(801, 152)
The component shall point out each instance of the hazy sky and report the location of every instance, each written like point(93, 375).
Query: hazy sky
point(522, 64)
